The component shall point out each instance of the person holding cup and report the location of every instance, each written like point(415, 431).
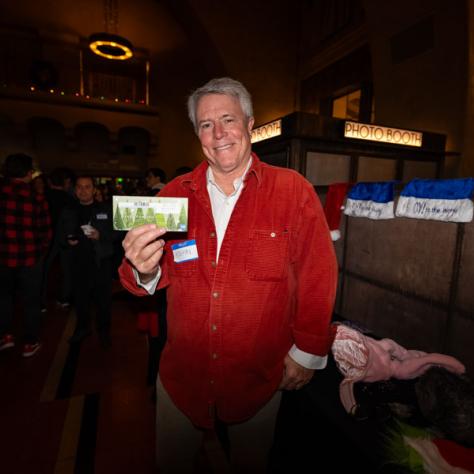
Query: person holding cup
point(87, 229)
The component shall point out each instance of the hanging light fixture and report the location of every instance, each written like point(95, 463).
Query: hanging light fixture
point(111, 45)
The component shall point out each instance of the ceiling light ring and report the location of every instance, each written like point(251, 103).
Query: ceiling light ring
point(110, 46)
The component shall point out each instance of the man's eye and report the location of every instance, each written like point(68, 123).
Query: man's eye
point(205, 125)
point(228, 120)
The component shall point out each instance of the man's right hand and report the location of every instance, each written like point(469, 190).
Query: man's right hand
point(144, 249)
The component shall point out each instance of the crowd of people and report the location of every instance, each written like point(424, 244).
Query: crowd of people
point(64, 220)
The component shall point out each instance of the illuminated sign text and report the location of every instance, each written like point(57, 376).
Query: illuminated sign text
point(398, 136)
point(269, 130)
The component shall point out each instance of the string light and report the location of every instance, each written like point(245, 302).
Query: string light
point(87, 97)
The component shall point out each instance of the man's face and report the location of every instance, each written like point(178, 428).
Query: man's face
point(151, 180)
point(224, 132)
point(85, 190)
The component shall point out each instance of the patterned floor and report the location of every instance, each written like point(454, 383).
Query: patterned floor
point(77, 409)
point(86, 410)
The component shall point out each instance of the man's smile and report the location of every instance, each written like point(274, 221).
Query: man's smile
point(223, 147)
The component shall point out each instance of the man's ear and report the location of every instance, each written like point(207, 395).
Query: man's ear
point(250, 124)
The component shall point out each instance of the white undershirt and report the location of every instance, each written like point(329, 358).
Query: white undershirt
point(223, 204)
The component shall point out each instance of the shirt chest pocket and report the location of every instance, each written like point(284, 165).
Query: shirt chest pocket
point(267, 255)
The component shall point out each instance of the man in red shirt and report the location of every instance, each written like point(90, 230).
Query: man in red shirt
point(250, 289)
point(25, 234)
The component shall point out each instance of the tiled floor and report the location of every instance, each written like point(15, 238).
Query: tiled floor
point(86, 410)
point(78, 409)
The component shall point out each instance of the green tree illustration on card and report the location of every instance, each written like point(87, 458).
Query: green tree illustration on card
point(170, 222)
point(183, 219)
point(139, 218)
point(160, 220)
point(118, 222)
point(127, 218)
point(150, 216)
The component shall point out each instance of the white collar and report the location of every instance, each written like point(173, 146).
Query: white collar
point(237, 181)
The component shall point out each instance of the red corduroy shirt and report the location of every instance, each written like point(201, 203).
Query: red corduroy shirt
point(232, 322)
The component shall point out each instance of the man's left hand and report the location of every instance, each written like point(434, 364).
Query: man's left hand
point(94, 234)
point(295, 376)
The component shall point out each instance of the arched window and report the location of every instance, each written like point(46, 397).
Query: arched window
point(92, 137)
point(48, 135)
point(134, 141)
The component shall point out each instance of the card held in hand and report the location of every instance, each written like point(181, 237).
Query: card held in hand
point(170, 213)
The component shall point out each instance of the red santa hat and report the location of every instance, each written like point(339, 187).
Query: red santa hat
point(333, 207)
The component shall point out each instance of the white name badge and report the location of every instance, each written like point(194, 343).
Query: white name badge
point(185, 251)
point(101, 216)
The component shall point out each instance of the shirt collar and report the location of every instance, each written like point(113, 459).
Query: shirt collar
point(237, 181)
point(198, 176)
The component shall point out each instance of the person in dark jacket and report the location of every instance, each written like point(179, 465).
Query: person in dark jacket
point(87, 229)
point(58, 197)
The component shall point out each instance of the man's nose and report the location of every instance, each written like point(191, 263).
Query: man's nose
point(218, 131)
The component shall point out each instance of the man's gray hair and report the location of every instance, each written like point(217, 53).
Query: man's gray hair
point(224, 86)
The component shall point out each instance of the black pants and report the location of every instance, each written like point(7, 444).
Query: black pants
point(26, 282)
point(65, 260)
point(93, 285)
point(156, 344)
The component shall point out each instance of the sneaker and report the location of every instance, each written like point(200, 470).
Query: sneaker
point(31, 349)
point(63, 304)
point(6, 342)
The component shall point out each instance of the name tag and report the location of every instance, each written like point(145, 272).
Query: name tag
point(101, 216)
point(185, 251)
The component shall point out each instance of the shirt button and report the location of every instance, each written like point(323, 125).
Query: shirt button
point(213, 234)
point(214, 356)
point(211, 382)
point(215, 294)
point(214, 327)
point(213, 264)
point(272, 234)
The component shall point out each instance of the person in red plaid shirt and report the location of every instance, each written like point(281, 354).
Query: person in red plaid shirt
point(25, 233)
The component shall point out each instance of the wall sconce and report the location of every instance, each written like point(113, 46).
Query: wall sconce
point(111, 46)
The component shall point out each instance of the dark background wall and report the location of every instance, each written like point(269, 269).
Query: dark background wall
point(412, 60)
